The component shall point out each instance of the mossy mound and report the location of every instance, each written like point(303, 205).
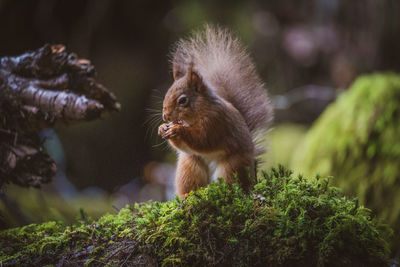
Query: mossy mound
point(357, 140)
point(285, 221)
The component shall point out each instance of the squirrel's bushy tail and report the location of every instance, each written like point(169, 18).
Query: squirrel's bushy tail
point(227, 69)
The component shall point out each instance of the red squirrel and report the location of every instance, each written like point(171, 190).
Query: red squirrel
point(214, 108)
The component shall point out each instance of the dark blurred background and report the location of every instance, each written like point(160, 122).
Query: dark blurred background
point(306, 52)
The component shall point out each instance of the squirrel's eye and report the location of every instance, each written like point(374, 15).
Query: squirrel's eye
point(182, 100)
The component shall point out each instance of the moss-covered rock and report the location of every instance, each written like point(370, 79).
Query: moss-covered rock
point(285, 221)
point(357, 140)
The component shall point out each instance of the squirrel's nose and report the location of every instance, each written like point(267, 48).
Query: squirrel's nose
point(165, 117)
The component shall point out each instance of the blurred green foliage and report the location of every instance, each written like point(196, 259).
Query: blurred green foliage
point(357, 140)
point(288, 221)
point(36, 206)
point(280, 143)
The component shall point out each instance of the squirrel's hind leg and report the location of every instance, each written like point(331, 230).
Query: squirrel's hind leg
point(191, 173)
point(239, 165)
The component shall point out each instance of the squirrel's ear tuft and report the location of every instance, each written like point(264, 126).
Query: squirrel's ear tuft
point(194, 80)
point(177, 73)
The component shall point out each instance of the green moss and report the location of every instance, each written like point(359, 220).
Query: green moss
point(357, 140)
point(53, 242)
point(33, 238)
point(285, 221)
point(288, 221)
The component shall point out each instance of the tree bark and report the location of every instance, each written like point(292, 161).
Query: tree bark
point(38, 89)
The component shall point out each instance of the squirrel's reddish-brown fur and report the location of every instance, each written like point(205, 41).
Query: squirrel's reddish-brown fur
point(213, 110)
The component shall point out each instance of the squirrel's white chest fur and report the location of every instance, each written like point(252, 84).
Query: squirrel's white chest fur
point(211, 159)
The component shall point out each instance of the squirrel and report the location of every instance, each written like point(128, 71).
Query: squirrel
point(213, 110)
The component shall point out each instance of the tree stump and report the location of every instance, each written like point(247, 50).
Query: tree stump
point(37, 90)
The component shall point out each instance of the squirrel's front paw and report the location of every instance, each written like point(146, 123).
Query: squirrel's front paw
point(168, 131)
point(162, 129)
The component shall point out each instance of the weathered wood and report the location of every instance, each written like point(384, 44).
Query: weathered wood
point(38, 89)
